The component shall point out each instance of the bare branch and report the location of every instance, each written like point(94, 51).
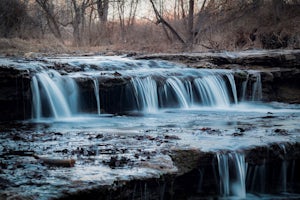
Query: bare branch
point(160, 19)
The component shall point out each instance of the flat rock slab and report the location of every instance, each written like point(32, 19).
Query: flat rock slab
point(266, 58)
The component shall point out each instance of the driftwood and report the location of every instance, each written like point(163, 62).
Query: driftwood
point(56, 162)
point(44, 160)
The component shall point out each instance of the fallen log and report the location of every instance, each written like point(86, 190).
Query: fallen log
point(56, 162)
point(44, 160)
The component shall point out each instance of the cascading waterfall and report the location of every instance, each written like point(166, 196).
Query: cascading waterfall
point(256, 178)
point(145, 91)
point(257, 88)
point(253, 81)
point(210, 89)
point(213, 91)
point(36, 99)
point(180, 91)
point(53, 95)
point(244, 88)
point(232, 172)
point(97, 94)
point(233, 87)
point(237, 177)
point(57, 96)
point(283, 169)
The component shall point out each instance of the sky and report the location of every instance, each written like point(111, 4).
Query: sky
point(145, 10)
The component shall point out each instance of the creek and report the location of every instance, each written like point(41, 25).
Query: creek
point(122, 119)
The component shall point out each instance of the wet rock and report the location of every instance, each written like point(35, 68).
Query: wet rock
point(186, 160)
point(15, 95)
point(172, 137)
point(281, 131)
point(99, 136)
point(237, 134)
point(117, 162)
point(162, 163)
point(117, 74)
point(4, 183)
point(211, 131)
point(268, 117)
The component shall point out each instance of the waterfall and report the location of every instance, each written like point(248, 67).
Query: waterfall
point(283, 168)
point(36, 99)
point(212, 90)
point(257, 88)
point(254, 85)
point(233, 87)
point(179, 89)
point(145, 91)
point(256, 178)
point(244, 88)
point(232, 172)
point(97, 94)
point(53, 95)
point(205, 89)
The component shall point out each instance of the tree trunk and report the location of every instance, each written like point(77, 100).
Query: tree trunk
point(102, 8)
point(76, 23)
point(191, 22)
point(160, 19)
point(51, 20)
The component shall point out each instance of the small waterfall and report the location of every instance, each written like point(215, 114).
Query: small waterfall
point(253, 81)
point(283, 169)
point(257, 88)
point(36, 99)
point(145, 91)
point(256, 178)
point(204, 89)
point(179, 89)
point(233, 87)
point(97, 94)
point(232, 172)
point(244, 88)
point(212, 91)
point(53, 95)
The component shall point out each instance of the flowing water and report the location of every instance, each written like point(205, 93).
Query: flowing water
point(153, 99)
point(153, 86)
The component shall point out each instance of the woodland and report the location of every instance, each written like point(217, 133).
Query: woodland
point(60, 26)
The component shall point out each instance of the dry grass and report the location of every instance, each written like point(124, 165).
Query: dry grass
point(17, 46)
point(233, 29)
point(249, 28)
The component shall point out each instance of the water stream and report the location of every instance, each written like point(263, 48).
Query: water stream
point(130, 108)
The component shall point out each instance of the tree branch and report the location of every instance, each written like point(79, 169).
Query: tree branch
point(160, 19)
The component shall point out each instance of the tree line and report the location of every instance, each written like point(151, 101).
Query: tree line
point(94, 22)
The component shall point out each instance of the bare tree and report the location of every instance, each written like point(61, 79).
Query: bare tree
point(121, 15)
point(132, 12)
point(52, 21)
point(102, 9)
point(78, 23)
